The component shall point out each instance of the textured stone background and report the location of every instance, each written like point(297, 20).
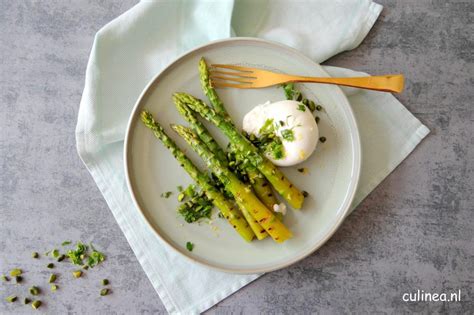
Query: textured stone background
point(415, 231)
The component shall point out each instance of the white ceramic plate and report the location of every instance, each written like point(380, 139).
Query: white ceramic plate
point(333, 168)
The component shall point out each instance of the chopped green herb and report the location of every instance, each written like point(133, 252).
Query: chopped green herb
point(85, 267)
point(317, 119)
point(15, 272)
point(190, 191)
point(5, 278)
point(196, 208)
point(288, 135)
point(305, 193)
point(95, 258)
point(319, 108)
point(276, 150)
point(76, 256)
point(311, 105)
point(301, 107)
point(220, 215)
point(289, 90)
point(36, 304)
point(54, 288)
point(180, 188)
point(50, 266)
point(282, 123)
point(11, 298)
point(104, 292)
point(61, 258)
point(189, 246)
point(181, 197)
point(77, 274)
point(55, 253)
point(34, 290)
point(166, 194)
point(105, 281)
point(18, 279)
point(47, 253)
point(322, 139)
point(26, 301)
point(34, 255)
point(65, 243)
point(52, 278)
point(267, 127)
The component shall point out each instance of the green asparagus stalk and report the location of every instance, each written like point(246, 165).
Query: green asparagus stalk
point(276, 177)
point(210, 91)
point(259, 183)
point(200, 129)
point(242, 193)
point(261, 186)
point(207, 138)
point(227, 209)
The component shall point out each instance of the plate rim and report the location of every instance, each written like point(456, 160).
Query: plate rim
point(356, 165)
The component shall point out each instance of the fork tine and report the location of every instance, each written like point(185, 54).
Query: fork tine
point(245, 69)
point(231, 85)
point(232, 73)
point(242, 80)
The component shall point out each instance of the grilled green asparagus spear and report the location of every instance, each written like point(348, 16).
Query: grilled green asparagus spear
point(276, 177)
point(227, 209)
point(207, 138)
point(210, 91)
point(259, 183)
point(200, 129)
point(242, 193)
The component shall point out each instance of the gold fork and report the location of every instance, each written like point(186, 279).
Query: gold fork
point(253, 78)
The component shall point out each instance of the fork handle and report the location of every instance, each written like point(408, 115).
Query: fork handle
point(387, 83)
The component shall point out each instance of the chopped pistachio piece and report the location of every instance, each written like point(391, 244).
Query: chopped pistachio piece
point(35, 255)
point(15, 272)
point(26, 301)
point(77, 274)
point(104, 292)
point(54, 287)
point(166, 194)
point(11, 298)
point(36, 304)
point(105, 281)
point(50, 265)
point(189, 246)
point(52, 278)
point(303, 170)
point(34, 290)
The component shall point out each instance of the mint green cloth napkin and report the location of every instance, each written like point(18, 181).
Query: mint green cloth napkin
point(133, 48)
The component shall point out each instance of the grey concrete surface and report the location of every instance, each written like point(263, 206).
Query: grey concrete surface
point(415, 231)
